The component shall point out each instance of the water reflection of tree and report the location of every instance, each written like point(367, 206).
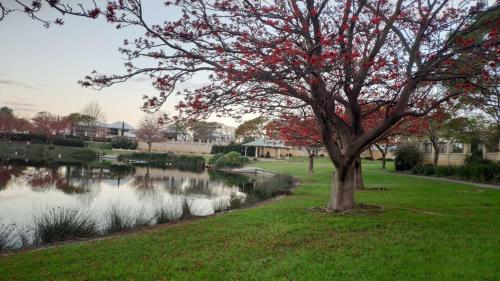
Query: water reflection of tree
point(70, 180)
point(146, 184)
point(230, 179)
point(46, 177)
point(7, 172)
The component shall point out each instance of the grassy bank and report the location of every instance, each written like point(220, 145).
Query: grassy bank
point(429, 230)
point(44, 153)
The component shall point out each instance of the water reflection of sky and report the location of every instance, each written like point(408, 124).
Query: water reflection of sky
point(28, 192)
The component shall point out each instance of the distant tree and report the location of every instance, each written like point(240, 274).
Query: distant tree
point(181, 129)
point(6, 111)
point(393, 136)
point(252, 129)
point(7, 120)
point(204, 131)
point(298, 130)
point(23, 125)
point(485, 107)
point(61, 126)
point(472, 129)
point(432, 128)
point(45, 123)
point(73, 120)
point(91, 115)
point(150, 128)
point(10, 123)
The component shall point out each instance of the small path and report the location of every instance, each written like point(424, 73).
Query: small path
point(476, 184)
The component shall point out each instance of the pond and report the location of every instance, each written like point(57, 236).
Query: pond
point(53, 203)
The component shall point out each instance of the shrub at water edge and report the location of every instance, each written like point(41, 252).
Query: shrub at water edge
point(59, 224)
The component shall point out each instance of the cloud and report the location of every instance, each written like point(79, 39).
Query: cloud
point(20, 106)
point(17, 83)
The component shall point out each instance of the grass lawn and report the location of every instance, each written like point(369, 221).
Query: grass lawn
point(430, 230)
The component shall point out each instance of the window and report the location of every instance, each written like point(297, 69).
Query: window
point(427, 147)
point(458, 147)
point(442, 147)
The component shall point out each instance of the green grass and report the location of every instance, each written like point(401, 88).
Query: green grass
point(429, 230)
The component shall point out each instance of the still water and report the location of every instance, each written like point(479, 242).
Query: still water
point(27, 193)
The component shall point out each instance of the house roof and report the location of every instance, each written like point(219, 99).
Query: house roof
point(119, 124)
point(266, 143)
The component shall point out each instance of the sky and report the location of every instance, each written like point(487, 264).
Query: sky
point(40, 67)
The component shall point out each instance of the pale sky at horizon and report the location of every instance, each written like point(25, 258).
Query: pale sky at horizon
point(39, 68)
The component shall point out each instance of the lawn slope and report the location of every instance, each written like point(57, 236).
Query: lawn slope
point(429, 230)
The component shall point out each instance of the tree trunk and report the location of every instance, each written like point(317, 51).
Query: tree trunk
point(342, 196)
point(371, 153)
point(436, 153)
point(436, 158)
point(358, 175)
point(149, 147)
point(383, 161)
point(310, 170)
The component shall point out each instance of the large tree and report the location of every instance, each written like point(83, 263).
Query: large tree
point(342, 59)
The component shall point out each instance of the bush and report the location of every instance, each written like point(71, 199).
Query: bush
point(7, 236)
point(445, 171)
point(488, 172)
point(407, 158)
point(83, 155)
point(231, 160)
point(122, 218)
point(62, 224)
point(33, 138)
point(73, 142)
point(123, 143)
point(428, 170)
point(483, 172)
point(42, 139)
point(214, 158)
point(188, 162)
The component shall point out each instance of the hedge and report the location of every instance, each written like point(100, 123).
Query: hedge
point(232, 147)
point(42, 139)
point(189, 162)
point(123, 143)
point(485, 172)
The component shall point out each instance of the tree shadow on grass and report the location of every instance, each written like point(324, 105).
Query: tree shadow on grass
point(360, 209)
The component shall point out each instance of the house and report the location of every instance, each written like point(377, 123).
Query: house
point(120, 128)
point(90, 129)
point(454, 152)
point(267, 148)
point(176, 134)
